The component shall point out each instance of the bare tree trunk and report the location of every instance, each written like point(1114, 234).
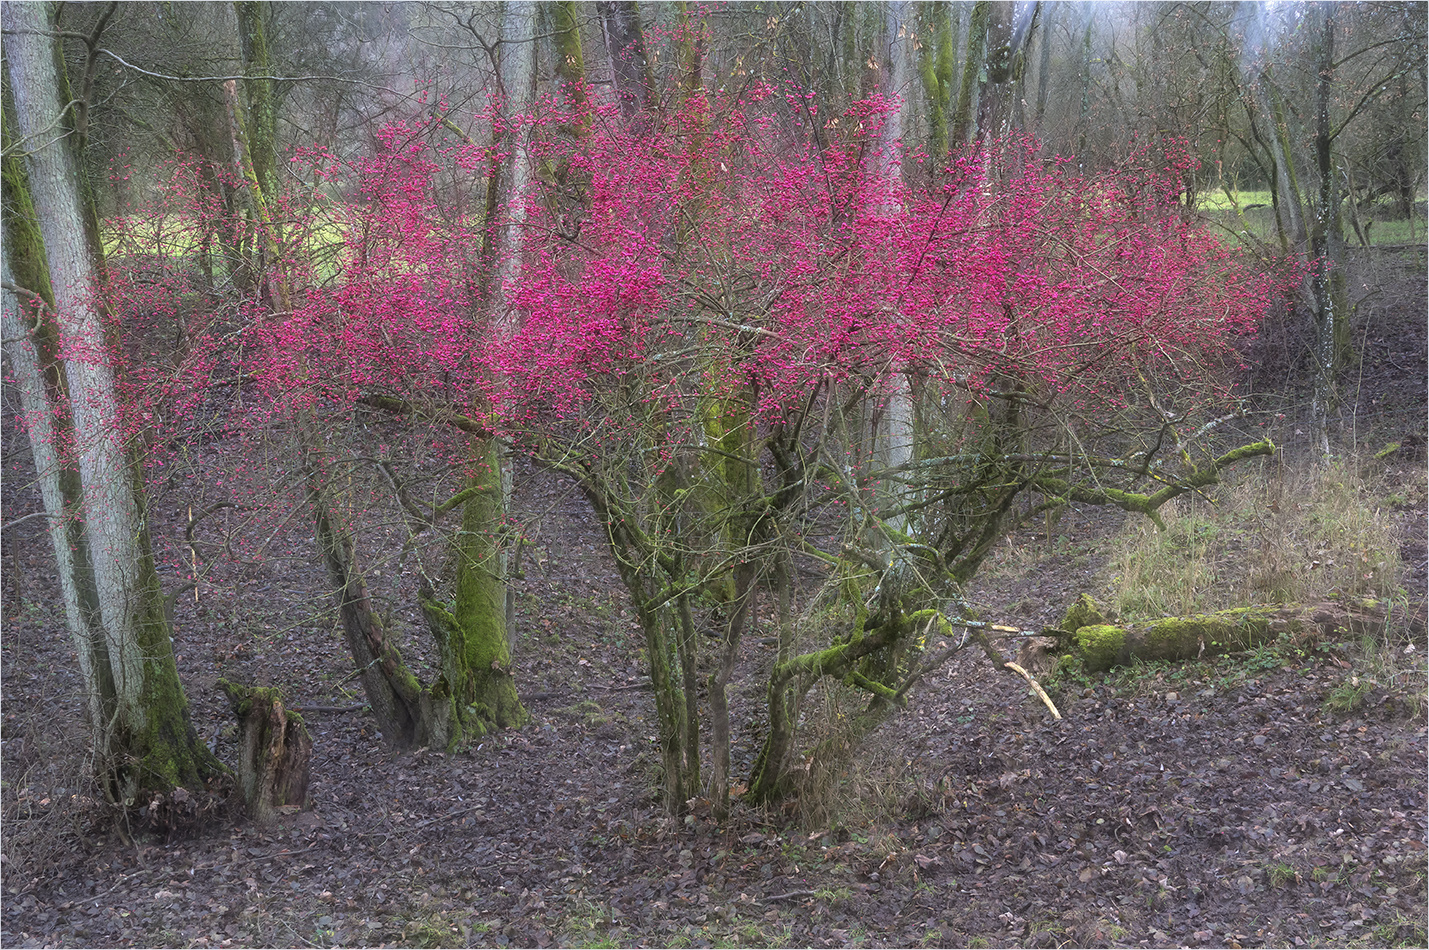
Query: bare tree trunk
point(1290, 216)
point(1009, 27)
point(33, 372)
point(1044, 66)
point(895, 441)
point(625, 42)
point(935, 67)
point(719, 685)
point(570, 59)
point(145, 740)
point(1326, 245)
point(973, 56)
point(392, 690)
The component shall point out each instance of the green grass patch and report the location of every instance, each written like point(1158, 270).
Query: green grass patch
point(1247, 218)
point(1219, 201)
point(1397, 231)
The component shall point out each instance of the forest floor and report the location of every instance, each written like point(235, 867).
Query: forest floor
point(1276, 798)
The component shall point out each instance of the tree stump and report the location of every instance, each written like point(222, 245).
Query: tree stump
point(275, 751)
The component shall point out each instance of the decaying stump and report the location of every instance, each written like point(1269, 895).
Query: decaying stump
point(275, 751)
point(1103, 645)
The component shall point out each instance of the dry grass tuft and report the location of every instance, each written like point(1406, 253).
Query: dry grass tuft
point(1273, 536)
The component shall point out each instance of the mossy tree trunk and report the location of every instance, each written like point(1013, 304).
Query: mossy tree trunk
point(769, 777)
point(143, 739)
point(935, 69)
point(258, 88)
point(964, 126)
point(31, 348)
point(733, 501)
point(1330, 316)
point(474, 692)
point(859, 658)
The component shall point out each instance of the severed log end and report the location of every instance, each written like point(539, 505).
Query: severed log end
point(275, 751)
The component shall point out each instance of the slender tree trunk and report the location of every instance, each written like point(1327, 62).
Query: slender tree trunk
point(1044, 66)
point(570, 59)
point(30, 349)
point(258, 88)
point(769, 778)
point(1084, 117)
point(1326, 244)
point(392, 690)
point(935, 68)
point(720, 733)
point(1289, 216)
point(895, 441)
point(145, 740)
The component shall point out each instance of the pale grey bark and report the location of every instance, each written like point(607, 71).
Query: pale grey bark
point(39, 415)
point(143, 740)
point(894, 441)
point(111, 515)
point(518, 82)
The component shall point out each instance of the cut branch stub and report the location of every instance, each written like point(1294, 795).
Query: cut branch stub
point(275, 751)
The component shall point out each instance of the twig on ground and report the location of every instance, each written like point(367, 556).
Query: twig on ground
point(792, 895)
point(328, 709)
point(1036, 686)
point(643, 684)
point(452, 814)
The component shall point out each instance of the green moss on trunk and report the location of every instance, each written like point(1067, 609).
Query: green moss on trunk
point(475, 691)
point(1102, 645)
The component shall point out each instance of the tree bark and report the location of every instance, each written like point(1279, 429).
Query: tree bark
point(258, 88)
point(30, 346)
point(570, 59)
point(392, 690)
point(1327, 281)
point(967, 109)
point(935, 68)
point(625, 42)
point(144, 740)
point(769, 779)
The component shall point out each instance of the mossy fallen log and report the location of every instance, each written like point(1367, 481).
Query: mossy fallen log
point(275, 751)
point(1101, 645)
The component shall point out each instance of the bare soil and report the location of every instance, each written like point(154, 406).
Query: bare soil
point(1263, 800)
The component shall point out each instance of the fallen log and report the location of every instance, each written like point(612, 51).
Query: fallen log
point(1101, 645)
point(275, 751)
